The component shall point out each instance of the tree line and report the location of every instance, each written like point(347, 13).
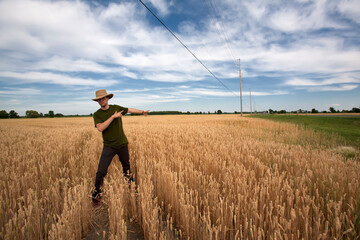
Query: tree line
point(331, 110)
point(51, 114)
point(29, 114)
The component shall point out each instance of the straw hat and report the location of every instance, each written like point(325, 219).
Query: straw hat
point(102, 93)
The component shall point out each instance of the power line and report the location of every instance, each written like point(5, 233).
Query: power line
point(186, 47)
point(220, 29)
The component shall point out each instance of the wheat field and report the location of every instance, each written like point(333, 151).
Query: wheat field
point(198, 177)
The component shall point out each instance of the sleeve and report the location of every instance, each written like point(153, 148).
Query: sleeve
point(97, 119)
point(124, 109)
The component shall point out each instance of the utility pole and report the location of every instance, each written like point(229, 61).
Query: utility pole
point(240, 87)
point(250, 102)
point(254, 104)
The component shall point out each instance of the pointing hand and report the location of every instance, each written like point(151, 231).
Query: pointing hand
point(145, 113)
point(117, 114)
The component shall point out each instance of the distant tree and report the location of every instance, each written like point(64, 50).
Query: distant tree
point(187, 112)
point(271, 111)
point(332, 110)
point(32, 114)
point(51, 114)
point(314, 110)
point(13, 114)
point(4, 114)
point(282, 111)
point(357, 110)
point(59, 115)
point(219, 112)
point(161, 113)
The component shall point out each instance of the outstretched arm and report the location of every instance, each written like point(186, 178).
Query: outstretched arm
point(137, 111)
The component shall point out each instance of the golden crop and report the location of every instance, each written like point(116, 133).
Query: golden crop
point(198, 177)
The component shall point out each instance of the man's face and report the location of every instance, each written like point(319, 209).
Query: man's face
point(103, 101)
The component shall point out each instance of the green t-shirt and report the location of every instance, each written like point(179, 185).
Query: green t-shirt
point(113, 135)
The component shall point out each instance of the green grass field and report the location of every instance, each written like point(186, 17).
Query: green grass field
point(347, 127)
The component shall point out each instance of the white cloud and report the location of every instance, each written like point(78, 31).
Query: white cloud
point(287, 20)
point(172, 77)
point(117, 14)
point(256, 9)
point(272, 93)
point(312, 86)
point(76, 38)
point(79, 38)
point(333, 88)
point(51, 78)
point(68, 65)
point(43, 27)
point(144, 100)
point(161, 5)
point(350, 9)
point(343, 82)
point(267, 52)
point(156, 89)
point(306, 16)
point(14, 102)
point(309, 56)
point(331, 81)
point(18, 96)
point(20, 91)
point(79, 65)
point(200, 92)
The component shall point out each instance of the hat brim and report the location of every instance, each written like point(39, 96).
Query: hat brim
point(108, 95)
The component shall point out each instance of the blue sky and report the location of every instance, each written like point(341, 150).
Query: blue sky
point(298, 54)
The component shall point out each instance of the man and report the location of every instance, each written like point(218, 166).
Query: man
point(108, 121)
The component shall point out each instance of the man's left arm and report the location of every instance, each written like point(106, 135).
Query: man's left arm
point(137, 111)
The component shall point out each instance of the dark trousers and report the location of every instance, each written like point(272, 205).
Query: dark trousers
point(107, 155)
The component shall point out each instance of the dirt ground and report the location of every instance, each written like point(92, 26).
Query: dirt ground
point(99, 226)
